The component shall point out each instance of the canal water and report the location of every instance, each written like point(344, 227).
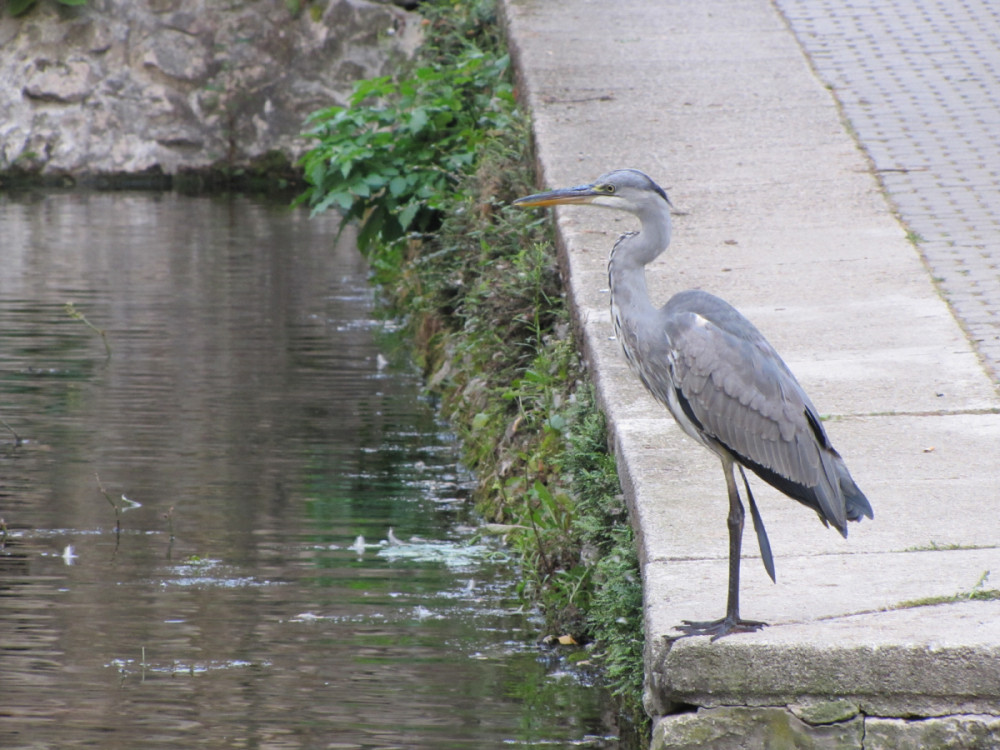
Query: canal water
point(230, 519)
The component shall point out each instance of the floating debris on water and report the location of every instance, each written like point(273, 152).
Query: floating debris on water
point(141, 666)
point(452, 554)
point(208, 573)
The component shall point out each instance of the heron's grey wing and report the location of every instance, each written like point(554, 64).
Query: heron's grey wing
point(732, 383)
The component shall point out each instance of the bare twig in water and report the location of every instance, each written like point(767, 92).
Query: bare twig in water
point(17, 438)
point(169, 516)
point(77, 315)
point(118, 510)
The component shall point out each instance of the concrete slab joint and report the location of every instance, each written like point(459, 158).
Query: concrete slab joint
point(881, 640)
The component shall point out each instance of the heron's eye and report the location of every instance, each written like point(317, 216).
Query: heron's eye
point(608, 188)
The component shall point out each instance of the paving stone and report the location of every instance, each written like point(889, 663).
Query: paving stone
point(919, 81)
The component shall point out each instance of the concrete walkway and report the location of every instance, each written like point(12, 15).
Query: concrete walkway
point(779, 212)
point(919, 81)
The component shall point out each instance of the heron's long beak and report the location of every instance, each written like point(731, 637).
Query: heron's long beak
point(578, 194)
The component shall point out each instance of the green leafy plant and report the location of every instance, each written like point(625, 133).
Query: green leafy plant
point(387, 158)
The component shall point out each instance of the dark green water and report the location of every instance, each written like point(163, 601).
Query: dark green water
point(247, 415)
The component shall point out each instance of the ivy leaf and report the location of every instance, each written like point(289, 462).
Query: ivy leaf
point(398, 186)
point(408, 214)
point(418, 120)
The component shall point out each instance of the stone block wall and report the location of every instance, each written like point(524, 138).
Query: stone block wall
point(164, 86)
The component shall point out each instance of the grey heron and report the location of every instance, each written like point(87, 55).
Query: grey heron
point(722, 381)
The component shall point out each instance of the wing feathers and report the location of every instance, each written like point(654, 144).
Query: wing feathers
point(733, 384)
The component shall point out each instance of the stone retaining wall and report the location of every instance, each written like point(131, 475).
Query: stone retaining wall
point(165, 86)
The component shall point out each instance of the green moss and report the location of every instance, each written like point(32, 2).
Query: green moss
point(978, 592)
point(930, 601)
point(826, 711)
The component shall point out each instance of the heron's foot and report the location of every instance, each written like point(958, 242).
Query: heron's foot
point(718, 628)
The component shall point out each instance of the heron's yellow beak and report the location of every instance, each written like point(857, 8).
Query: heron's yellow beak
point(578, 194)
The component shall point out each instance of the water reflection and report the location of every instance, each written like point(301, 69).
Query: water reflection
point(247, 415)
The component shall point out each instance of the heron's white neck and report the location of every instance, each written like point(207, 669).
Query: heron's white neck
point(626, 266)
point(655, 231)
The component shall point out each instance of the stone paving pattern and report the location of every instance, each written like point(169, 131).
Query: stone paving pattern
point(919, 82)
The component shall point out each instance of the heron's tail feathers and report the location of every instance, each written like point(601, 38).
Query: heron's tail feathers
point(835, 497)
point(856, 504)
point(839, 499)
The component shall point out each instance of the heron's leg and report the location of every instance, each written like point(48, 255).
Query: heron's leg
point(735, 523)
point(731, 623)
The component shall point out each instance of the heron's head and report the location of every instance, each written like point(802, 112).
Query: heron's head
point(625, 189)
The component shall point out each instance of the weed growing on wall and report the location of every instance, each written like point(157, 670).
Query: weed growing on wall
point(391, 156)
